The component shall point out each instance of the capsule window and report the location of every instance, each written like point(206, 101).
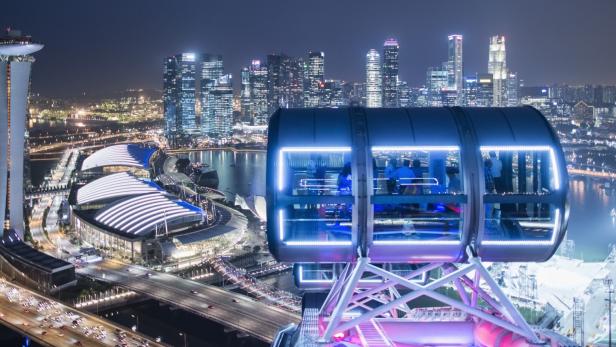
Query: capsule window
point(315, 171)
point(418, 194)
point(316, 223)
point(519, 183)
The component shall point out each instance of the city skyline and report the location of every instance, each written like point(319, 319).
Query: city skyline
point(542, 50)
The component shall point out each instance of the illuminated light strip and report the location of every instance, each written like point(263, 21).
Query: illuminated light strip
point(126, 217)
point(126, 206)
point(141, 210)
point(416, 242)
point(148, 211)
point(119, 190)
point(318, 243)
point(304, 150)
point(281, 225)
point(530, 149)
point(415, 148)
point(302, 280)
point(160, 220)
point(151, 215)
point(551, 242)
point(150, 225)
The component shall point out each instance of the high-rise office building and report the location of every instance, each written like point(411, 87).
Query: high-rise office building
point(455, 67)
point(276, 66)
point(471, 90)
point(217, 117)
point(332, 94)
point(404, 94)
point(485, 90)
point(497, 66)
point(314, 76)
point(211, 67)
point(245, 95)
point(513, 90)
point(179, 96)
point(374, 87)
point(390, 73)
point(285, 81)
point(436, 82)
point(15, 65)
point(357, 94)
point(258, 93)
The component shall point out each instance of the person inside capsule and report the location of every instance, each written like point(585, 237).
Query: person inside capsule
point(422, 173)
point(519, 174)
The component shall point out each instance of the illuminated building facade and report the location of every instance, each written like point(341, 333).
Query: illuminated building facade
point(455, 66)
point(245, 95)
point(217, 117)
point(390, 73)
point(497, 66)
point(485, 90)
point(258, 92)
point(374, 87)
point(436, 81)
point(513, 89)
point(285, 81)
point(15, 65)
point(314, 76)
point(179, 97)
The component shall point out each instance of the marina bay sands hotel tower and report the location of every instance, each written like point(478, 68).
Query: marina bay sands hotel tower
point(15, 63)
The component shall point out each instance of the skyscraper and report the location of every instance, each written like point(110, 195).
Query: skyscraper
point(436, 82)
point(374, 88)
point(217, 118)
point(332, 94)
point(455, 67)
point(485, 90)
point(285, 81)
point(15, 65)
point(513, 89)
point(315, 75)
point(497, 66)
point(390, 73)
point(211, 71)
point(245, 95)
point(258, 93)
point(179, 96)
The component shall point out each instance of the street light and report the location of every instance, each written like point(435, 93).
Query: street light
point(183, 334)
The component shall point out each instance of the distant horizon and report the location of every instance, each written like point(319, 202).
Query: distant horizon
point(101, 47)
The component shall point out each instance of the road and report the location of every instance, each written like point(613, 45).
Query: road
point(227, 308)
point(51, 323)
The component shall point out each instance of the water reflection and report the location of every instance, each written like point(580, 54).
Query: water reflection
point(591, 224)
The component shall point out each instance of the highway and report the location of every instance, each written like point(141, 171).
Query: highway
point(51, 323)
point(227, 308)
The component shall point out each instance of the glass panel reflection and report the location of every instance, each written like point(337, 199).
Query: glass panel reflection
point(316, 223)
point(416, 170)
point(315, 171)
point(419, 222)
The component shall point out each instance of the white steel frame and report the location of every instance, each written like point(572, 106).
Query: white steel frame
point(385, 300)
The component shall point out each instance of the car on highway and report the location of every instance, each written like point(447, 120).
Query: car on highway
point(192, 291)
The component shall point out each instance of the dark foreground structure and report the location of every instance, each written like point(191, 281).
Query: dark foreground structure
point(384, 206)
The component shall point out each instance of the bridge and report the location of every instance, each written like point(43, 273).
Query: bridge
point(235, 311)
point(50, 323)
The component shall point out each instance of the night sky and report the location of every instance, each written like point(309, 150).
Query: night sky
point(101, 46)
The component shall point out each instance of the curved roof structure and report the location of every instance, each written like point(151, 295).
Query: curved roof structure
point(115, 186)
point(132, 155)
point(141, 215)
